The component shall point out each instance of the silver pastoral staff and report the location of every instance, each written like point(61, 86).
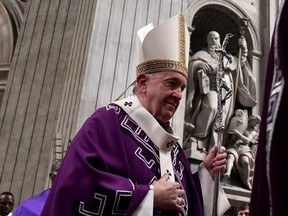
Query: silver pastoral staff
point(219, 124)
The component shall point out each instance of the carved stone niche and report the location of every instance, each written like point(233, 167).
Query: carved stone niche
point(223, 21)
point(6, 35)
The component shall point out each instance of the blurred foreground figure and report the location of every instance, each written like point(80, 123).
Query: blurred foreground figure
point(243, 210)
point(34, 205)
point(270, 188)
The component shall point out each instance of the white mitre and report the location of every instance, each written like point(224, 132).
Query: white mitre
point(164, 47)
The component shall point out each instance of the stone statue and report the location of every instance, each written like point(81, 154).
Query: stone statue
point(242, 149)
point(201, 103)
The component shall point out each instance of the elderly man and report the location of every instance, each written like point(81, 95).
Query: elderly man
point(201, 105)
point(126, 160)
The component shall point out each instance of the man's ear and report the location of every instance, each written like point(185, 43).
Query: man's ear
point(141, 81)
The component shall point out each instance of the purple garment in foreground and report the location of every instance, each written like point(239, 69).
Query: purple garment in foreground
point(109, 166)
point(270, 188)
point(32, 206)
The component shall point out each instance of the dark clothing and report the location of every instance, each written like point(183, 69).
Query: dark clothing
point(270, 188)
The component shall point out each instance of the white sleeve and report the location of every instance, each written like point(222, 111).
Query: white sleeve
point(207, 186)
point(146, 206)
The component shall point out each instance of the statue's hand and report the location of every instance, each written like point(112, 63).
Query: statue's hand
point(242, 43)
point(232, 131)
point(203, 66)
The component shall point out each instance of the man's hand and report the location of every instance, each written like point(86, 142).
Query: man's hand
point(168, 195)
point(214, 162)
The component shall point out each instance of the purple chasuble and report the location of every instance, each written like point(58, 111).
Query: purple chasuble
point(109, 167)
point(270, 185)
point(32, 206)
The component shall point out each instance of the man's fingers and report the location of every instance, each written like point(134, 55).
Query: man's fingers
point(164, 178)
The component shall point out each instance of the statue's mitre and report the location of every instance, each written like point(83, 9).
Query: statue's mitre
point(164, 47)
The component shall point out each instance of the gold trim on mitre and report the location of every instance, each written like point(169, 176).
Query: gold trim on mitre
point(163, 48)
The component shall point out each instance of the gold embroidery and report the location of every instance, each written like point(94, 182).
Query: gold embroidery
point(160, 65)
point(181, 43)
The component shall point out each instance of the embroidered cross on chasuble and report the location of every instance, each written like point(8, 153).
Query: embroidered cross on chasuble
point(159, 136)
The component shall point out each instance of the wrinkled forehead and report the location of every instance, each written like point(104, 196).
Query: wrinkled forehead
point(169, 74)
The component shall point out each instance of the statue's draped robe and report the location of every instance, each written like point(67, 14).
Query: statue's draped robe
point(200, 97)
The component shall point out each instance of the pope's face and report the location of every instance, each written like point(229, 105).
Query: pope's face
point(161, 93)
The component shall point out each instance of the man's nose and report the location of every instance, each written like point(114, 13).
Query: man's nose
point(178, 93)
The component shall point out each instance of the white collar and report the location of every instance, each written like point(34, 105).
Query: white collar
point(160, 137)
